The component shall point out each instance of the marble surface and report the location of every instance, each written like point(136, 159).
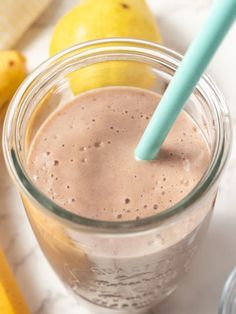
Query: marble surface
point(200, 292)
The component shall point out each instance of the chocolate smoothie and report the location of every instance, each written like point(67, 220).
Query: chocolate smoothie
point(82, 158)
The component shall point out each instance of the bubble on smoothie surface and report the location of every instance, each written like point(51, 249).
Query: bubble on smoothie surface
point(98, 144)
point(83, 157)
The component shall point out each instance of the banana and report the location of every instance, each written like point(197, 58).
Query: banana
point(11, 300)
point(12, 73)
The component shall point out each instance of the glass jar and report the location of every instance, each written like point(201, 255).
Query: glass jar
point(228, 298)
point(126, 266)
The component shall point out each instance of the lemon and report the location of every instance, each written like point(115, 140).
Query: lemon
point(94, 19)
point(12, 73)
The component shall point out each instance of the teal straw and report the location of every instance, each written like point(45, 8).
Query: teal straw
point(186, 77)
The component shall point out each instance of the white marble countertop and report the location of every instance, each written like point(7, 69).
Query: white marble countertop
point(179, 21)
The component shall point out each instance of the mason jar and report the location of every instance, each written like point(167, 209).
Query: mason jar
point(118, 266)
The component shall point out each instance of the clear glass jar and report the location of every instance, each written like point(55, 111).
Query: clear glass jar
point(116, 267)
point(228, 298)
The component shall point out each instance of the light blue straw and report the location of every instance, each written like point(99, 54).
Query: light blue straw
point(186, 77)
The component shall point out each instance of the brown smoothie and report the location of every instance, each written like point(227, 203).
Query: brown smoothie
point(82, 157)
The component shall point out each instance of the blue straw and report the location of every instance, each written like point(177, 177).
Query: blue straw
point(186, 77)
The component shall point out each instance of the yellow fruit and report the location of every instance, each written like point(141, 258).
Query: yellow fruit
point(11, 301)
point(12, 73)
point(94, 19)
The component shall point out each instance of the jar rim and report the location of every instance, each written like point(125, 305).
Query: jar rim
point(26, 186)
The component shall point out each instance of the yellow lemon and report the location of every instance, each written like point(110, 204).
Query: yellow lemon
point(94, 19)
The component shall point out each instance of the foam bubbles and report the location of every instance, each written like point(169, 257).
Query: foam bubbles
point(186, 165)
point(127, 201)
point(98, 144)
point(135, 200)
point(185, 182)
